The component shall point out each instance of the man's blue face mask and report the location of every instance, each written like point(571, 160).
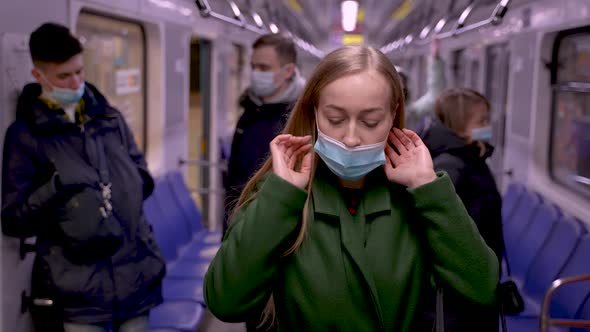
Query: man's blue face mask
point(349, 163)
point(64, 96)
point(67, 96)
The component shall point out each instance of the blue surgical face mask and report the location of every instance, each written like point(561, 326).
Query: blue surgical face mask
point(349, 163)
point(67, 96)
point(482, 134)
point(262, 83)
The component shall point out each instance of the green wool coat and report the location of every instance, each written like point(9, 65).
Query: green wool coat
point(365, 272)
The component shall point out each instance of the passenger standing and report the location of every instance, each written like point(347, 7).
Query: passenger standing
point(423, 107)
point(343, 226)
point(73, 177)
point(458, 139)
point(275, 85)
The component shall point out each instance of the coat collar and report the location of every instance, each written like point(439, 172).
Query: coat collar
point(49, 116)
point(325, 188)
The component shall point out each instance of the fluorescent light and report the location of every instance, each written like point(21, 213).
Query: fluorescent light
point(440, 25)
point(273, 28)
point(409, 39)
point(349, 9)
point(464, 14)
point(504, 3)
point(235, 9)
point(257, 19)
point(186, 11)
point(425, 31)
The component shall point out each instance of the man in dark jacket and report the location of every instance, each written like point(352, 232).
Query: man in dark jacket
point(275, 86)
point(74, 178)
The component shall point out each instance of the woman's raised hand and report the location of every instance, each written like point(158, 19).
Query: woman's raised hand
point(411, 165)
point(285, 151)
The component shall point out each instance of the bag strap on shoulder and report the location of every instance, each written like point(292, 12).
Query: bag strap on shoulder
point(440, 312)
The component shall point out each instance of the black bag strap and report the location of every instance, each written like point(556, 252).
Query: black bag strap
point(440, 312)
point(103, 169)
point(505, 256)
point(104, 176)
point(503, 318)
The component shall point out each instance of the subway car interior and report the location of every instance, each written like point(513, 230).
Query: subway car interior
point(176, 70)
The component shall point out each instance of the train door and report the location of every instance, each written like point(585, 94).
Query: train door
point(236, 86)
point(496, 90)
point(231, 87)
point(199, 129)
point(114, 58)
point(15, 276)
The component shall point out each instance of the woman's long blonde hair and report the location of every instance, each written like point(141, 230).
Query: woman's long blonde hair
point(342, 62)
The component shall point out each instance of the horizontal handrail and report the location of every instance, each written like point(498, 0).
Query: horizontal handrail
point(203, 163)
point(207, 191)
point(494, 19)
point(238, 20)
point(547, 321)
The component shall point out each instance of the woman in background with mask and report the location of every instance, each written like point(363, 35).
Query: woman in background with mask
point(458, 139)
point(343, 226)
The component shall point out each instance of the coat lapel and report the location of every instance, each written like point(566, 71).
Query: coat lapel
point(327, 201)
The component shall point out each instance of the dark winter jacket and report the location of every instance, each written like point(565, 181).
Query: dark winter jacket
point(49, 164)
point(256, 128)
point(472, 178)
point(475, 185)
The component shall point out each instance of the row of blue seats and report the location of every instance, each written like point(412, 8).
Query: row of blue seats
point(187, 247)
point(544, 244)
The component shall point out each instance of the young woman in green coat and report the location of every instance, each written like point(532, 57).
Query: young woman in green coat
point(346, 222)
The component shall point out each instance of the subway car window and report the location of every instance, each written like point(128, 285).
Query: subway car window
point(114, 57)
point(570, 142)
point(574, 58)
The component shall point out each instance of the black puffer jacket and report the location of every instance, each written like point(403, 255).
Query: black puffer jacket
point(256, 128)
point(472, 178)
point(475, 185)
point(41, 143)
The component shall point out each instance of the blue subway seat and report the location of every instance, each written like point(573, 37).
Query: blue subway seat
point(184, 316)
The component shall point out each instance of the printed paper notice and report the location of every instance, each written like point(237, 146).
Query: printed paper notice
point(127, 81)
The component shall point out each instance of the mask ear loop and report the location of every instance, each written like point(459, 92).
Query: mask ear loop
point(42, 74)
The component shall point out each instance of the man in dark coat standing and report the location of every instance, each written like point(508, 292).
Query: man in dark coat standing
point(73, 177)
point(275, 86)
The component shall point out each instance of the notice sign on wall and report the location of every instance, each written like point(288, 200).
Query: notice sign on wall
point(127, 81)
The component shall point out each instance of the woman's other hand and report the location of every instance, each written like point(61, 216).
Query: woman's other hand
point(411, 165)
point(285, 151)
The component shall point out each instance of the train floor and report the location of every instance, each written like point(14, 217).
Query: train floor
point(212, 324)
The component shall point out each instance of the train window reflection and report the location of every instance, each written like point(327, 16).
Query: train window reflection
point(574, 58)
point(570, 159)
point(114, 57)
point(570, 137)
